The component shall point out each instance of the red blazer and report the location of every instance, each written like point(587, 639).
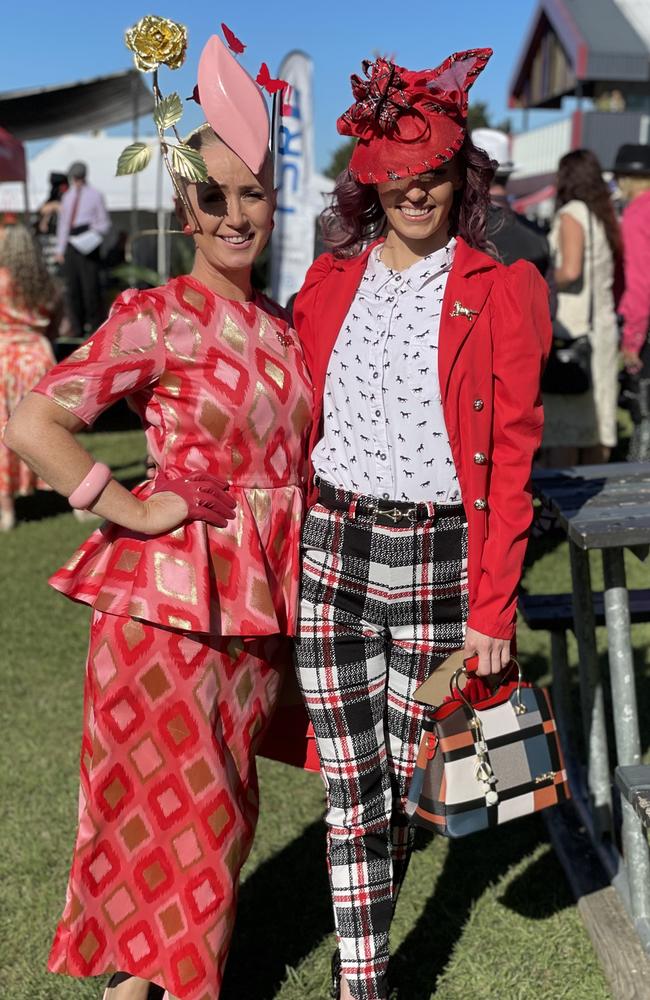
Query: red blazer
point(489, 368)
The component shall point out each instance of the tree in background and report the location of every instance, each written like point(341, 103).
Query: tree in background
point(340, 158)
point(478, 117)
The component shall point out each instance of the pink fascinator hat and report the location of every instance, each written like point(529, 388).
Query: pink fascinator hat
point(233, 104)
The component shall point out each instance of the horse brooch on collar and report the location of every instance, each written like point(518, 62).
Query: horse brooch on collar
point(460, 310)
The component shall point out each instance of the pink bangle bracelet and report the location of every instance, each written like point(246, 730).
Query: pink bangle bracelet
point(90, 487)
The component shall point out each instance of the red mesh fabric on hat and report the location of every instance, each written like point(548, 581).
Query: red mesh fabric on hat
point(407, 122)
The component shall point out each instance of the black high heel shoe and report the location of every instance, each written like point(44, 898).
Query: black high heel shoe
point(335, 991)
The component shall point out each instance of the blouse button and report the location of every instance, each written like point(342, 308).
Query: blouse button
point(478, 404)
point(480, 504)
point(375, 375)
point(480, 458)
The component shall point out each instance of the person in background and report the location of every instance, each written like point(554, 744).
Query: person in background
point(632, 169)
point(513, 236)
point(46, 222)
point(585, 242)
point(82, 224)
point(29, 306)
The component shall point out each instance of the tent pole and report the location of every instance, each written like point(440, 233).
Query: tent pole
point(133, 228)
point(26, 197)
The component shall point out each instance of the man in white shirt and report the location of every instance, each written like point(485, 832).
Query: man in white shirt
point(83, 222)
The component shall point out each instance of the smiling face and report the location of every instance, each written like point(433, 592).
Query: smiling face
point(417, 208)
point(234, 209)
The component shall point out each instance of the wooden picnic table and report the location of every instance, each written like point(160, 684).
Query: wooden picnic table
point(607, 508)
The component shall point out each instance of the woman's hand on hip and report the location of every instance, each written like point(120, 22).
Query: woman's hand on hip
point(197, 497)
point(493, 654)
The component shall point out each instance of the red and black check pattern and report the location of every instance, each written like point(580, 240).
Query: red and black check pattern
point(380, 608)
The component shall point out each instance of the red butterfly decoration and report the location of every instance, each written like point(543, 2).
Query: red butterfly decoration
point(265, 80)
point(233, 42)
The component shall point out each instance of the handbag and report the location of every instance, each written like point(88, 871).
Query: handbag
point(568, 369)
point(483, 764)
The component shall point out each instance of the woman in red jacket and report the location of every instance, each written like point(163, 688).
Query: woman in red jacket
point(426, 356)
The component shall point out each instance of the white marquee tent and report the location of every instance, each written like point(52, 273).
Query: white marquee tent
point(100, 152)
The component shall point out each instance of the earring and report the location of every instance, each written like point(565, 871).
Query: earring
point(187, 229)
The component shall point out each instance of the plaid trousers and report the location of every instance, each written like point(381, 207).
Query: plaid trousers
point(381, 607)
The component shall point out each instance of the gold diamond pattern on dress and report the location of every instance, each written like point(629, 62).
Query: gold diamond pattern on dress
point(175, 577)
point(181, 623)
point(128, 561)
point(214, 419)
point(69, 394)
point(75, 560)
point(260, 501)
point(236, 458)
point(172, 383)
point(233, 335)
point(80, 354)
point(133, 633)
point(181, 337)
point(129, 339)
point(301, 415)
point(262, 415)
point(260, 598)
point(275, 373)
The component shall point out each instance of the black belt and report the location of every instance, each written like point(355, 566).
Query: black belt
point(387, 513)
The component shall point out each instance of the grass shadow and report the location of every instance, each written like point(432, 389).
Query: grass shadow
point(287, 899)
point(471, 866)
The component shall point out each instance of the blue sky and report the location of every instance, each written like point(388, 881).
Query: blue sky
point(64, 41)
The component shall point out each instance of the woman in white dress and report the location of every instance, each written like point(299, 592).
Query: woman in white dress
point(581, 428)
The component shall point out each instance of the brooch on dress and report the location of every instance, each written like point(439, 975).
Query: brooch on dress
point(284, 338)
point(461, 310)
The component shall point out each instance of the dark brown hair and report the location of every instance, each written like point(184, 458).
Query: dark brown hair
point(580, 178)
point(355, 216)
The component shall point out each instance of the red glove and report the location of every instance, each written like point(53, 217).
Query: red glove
point(206, 497)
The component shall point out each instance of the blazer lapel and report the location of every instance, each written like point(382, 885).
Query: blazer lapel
point(468, 287)
point(333, 303)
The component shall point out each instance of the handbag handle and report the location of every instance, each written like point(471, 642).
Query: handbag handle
point(455, 689)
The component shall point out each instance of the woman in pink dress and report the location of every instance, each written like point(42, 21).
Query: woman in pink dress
point(186, 647)
point(28, 313)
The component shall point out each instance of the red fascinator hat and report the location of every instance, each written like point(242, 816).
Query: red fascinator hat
point(407, 122)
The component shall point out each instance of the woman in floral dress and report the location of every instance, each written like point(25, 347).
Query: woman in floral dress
point(186, 648)
point(28, 300)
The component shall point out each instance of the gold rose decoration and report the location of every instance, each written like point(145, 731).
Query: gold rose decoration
point(157, 41)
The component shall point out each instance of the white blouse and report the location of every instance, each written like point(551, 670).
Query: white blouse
point(384, 431)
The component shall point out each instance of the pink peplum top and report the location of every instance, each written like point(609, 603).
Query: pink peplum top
point(221, 387)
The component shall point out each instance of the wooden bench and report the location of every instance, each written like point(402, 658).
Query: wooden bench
point(634, 784)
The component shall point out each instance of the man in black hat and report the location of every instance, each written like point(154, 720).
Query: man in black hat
point(632, 170)
point(83, 223)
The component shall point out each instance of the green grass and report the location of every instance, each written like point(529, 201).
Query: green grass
point(487, 918)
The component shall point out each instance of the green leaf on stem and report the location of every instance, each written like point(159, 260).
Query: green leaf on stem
point(133, 159)
point(168, 111)
point(188, 162)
